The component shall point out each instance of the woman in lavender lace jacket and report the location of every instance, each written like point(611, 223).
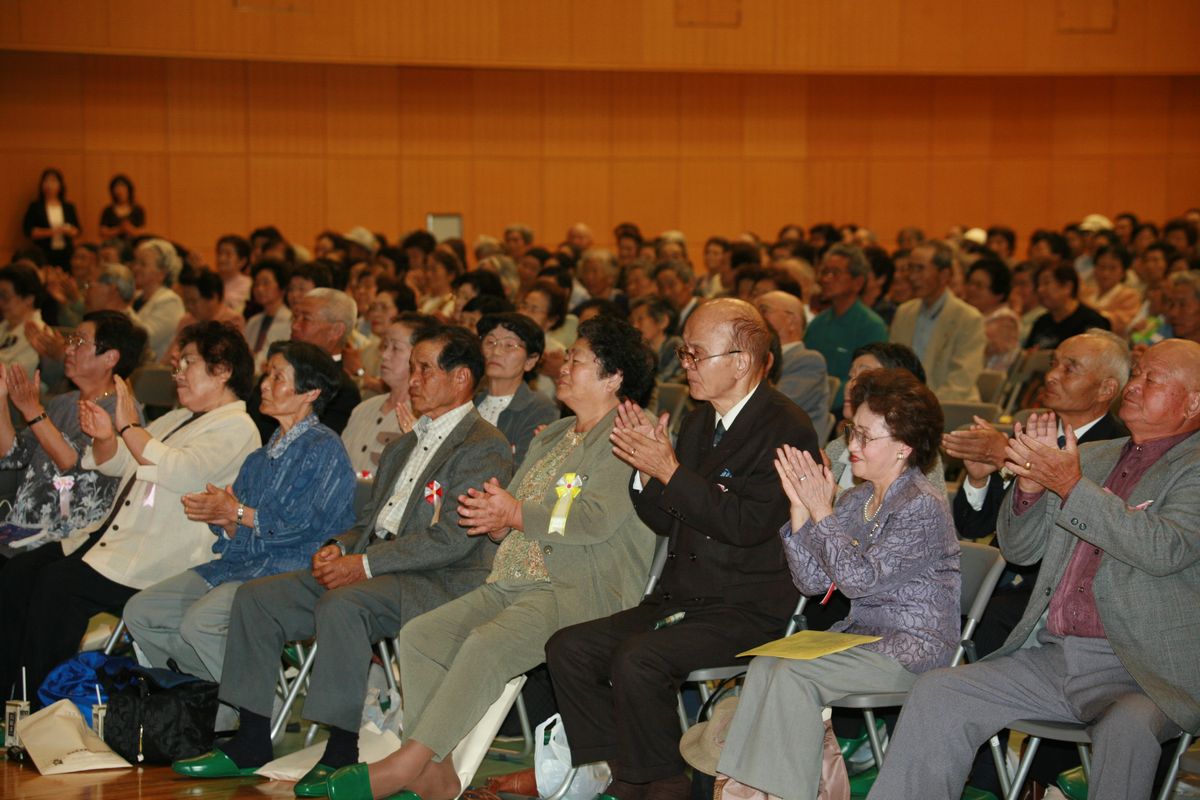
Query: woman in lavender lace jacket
point(889, 545)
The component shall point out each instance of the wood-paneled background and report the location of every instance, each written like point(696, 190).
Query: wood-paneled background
point(626, 111)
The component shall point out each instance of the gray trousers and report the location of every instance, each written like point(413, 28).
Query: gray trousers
point(775, 740)
point(455, 660)
point(952, 712)
point(269, 612)
point(185, 619)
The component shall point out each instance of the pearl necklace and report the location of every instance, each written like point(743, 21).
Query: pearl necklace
point(866, 505)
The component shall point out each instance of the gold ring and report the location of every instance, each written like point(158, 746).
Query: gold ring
point(1028, 465)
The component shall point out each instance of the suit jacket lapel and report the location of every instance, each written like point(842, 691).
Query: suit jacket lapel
point(391, 473)
point(710, 456)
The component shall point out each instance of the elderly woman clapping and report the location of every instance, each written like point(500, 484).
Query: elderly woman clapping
point(572, 549)
point(889, 545)
point(290, 496)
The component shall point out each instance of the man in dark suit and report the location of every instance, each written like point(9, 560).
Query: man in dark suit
point(725, 587)
point(405, 555)
point(324, 318)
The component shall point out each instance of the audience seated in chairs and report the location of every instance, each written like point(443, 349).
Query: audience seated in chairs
point(889, 544)
point(290, 496)
point(1114, 524)
point(802, 375)
point(50, 594)
point(724, 588)
point(571, 549)
point(56, 494)
point(405, 555)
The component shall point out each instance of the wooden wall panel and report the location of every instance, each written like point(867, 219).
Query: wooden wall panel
point(124, 104)
point(206, 106)
point(217, 146)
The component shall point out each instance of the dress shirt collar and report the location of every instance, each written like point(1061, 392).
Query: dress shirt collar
point(933, 310)
point(732, 413)
point(441, 426)
point(280, 441)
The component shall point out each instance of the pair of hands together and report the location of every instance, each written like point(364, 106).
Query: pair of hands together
point(1032, 453)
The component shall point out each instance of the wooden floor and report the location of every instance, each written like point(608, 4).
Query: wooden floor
point(22, 781)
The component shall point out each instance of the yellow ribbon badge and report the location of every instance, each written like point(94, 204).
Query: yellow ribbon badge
point(568, 488)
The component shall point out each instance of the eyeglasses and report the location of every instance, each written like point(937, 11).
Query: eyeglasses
point(689, 360)
point(74, 341)
point(181, 366)
point(854, 433)
point(503, 345)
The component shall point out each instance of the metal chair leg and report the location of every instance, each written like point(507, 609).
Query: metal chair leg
point(1172, 776)
point(1001, 760)
point(873, 737)
point(568, 779)
point(1018, 780)
point(300, 681)
point(115, 638)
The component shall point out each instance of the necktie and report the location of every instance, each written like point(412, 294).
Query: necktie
point(718, 433)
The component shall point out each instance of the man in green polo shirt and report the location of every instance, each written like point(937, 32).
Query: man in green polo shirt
point(846, 324)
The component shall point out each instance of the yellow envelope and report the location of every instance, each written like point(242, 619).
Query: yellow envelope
point(806, 645)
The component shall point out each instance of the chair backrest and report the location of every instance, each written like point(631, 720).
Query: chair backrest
point(989, 383)
point(672, 397)
point(657, 564)
point(958, 414)
point(153, 385)
point(981, 566)
point(835, 383)
point(1022, 416)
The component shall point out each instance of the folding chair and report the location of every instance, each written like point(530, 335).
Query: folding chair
point(989, 383)
point(835, 383)
point(1037, 730)
point(981, 567)
point(154, 385)
point(957, 414)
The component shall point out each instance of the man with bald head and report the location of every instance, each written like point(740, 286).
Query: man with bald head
point(802, 374)
point(1117, 527)
point(579, 237)
point(725, 587)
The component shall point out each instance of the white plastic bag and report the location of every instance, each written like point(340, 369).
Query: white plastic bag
point(59, 741)
point(552, 760)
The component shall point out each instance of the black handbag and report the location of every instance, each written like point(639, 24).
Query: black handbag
point(158, 716)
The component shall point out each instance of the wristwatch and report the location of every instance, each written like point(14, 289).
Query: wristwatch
point(241, 512)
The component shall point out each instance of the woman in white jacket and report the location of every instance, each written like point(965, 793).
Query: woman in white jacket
point(50, 593)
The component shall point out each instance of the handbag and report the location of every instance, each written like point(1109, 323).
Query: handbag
point(159, 716)
point(80, 678)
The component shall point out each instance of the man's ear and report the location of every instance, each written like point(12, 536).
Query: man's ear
point(1109, 388)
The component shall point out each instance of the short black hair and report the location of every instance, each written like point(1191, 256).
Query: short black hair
point(208, 283)
point(519, 325)
point(222, 345)
point(402, 296)
point(999, 275)
point(239, 245)
point(1061, 273)
point(1181, 224)
point(460, 348)
point(744, 253)
point(313, 369)
point(628, 230)
point(450, 262)
point(893, 355)
point(484, 282)
point(25, 281)
point(489, 304)
point(421, 239)
point(116, 331)
point(1006, 233)
point(882, 266)
point(1123, 256)
point(1055, 241)
point(118, 179)
point(315, 271)
point(279, 269)
point(620, 349)
point(604, 307)
point(556, 296)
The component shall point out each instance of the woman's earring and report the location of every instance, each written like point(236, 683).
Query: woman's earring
point(899, 456)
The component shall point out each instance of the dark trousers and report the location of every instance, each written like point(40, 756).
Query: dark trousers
point(616, 680)
point(47, 599)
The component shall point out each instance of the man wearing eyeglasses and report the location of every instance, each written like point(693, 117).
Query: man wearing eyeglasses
point(725, 586)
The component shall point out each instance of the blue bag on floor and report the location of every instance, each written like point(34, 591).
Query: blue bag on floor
point(76, 680)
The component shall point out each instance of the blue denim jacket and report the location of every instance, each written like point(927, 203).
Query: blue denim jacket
point(301, 487)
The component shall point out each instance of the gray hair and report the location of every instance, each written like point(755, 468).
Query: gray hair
point(168, 260)
point(605, 257)
point(337, 306)
point(1114, 354)
point(682, 270)
point(1191, 279)
point(943, 253)
point(525, 231)
point(856, 260)
point(674, 236)
point(119, 277)
point(486, 246)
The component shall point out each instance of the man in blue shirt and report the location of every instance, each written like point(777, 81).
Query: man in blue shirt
point(847, 324)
